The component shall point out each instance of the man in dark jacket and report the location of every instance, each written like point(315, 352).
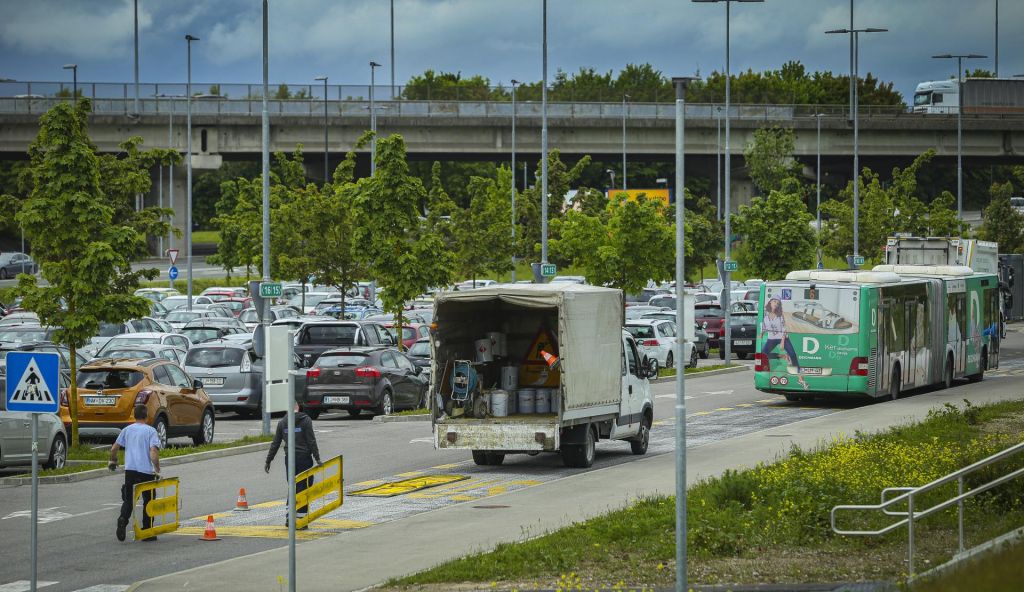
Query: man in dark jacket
point(306, 451)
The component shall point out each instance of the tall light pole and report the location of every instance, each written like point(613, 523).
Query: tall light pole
point(373, 121)
point(265, 166)
point(74, 81)
point(726, 274)
point(136, 50)
point(680, 84)
point(959, 122)
point(817, 168)
point(188, 174)
point(718, 164)
point(326, 175)
point(544, 138)
point(855, 78)
point(625, 106)
point(514, 84)
point(997, 39)
point(393, 50)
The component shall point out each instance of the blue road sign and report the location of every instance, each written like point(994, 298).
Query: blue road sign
point(173, 272)
point(33, 382)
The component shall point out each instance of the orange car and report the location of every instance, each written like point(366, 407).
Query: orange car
point(109, 389)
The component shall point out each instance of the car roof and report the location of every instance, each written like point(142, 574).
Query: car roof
point(643, 322)
point(222, 342)
point(121, 363)
point(366, 349)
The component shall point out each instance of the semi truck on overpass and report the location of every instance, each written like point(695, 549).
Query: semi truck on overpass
point(996, 96)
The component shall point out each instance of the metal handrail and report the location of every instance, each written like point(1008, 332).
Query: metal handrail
point(911, 516)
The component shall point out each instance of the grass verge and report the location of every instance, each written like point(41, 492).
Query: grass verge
point(669, 372)
point(206, 236)
point(992, 571)
point(421, 411)
point(771, 524)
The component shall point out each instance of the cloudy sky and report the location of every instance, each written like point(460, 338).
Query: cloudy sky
point(499, 39)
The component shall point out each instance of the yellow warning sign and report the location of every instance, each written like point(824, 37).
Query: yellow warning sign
point(408, 485)
point(535, 370)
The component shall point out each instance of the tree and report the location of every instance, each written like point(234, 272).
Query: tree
point(704, 235)
point(483, 232)
point(1003, 224)
point(635, 244)
point(528, 207)
point(84, 254)
point(777, 236)
point(769, 158)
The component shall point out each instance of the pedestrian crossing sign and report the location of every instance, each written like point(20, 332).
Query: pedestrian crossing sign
point(33, 380)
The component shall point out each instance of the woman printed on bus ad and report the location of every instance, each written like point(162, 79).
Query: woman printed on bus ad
point(774, 326)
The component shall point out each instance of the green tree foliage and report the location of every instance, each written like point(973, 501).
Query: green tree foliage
point(777, 236)
point(454, 176)
point(769, 158)
point(407, 253)
point(704, 235)
point(629, 245)
point(206, 189)
point(561, 178)
point(885, 209)
point(483, 232)
point(84, 253)
point(1003, 224)
point(446, 86)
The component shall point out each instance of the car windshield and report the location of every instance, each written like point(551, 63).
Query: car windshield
point(111, 329)
point(181, 316)
point(213, 357)
point(249, 316)
point(128, 353)
point(420, 349)
point(328, 334)
point(641, 331)
point(23, 336)
point(666, 301)
point(107, 378)
point(198, 335)
point(342, 359)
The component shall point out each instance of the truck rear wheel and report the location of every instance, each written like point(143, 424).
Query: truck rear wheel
point(639, 444)
point(580, 455)
point(485, 458)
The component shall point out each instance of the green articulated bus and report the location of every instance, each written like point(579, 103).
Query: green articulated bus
point(875, 333)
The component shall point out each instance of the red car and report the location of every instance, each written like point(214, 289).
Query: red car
point(236, 304)
point(411, 332)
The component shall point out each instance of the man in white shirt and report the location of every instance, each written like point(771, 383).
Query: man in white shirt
point(141, 464)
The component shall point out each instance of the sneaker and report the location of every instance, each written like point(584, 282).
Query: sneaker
point(121, 525)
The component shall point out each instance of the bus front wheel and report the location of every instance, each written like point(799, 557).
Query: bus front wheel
point(895, 383)
point(982, 366)
point(947, 376)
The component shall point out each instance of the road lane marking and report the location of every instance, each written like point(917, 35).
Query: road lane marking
point(447, 466)
point(421, 441)
point(724, 409)
point(23, 585)
point(409, 474)
point(408, 485)
point(744, 404)
point(766, 400)
point(369, 483)
point(728, 392)
point(105, 588)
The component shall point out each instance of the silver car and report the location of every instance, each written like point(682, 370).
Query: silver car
point(131, 340)
point(231, 374)
point(145, 352)
point(16, 437)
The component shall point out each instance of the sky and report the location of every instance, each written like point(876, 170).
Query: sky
point(498, 39)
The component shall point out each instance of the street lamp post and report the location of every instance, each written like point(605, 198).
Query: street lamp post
point(188, 174)
point(854, 76)
point(265, 166)
point(544, 137)
point(514, 84)
point(817, 168)
point(625, 106)
point(373, 121)
point(726, 274)
point(718, 164)
point(959, 122)
point(680, 411)
point(136, 49)
point(74, 81)
point(392, 50)
point(326, 174)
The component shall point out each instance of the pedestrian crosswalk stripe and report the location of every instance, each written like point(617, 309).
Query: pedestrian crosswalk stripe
point(23, 585)
point(105, 588)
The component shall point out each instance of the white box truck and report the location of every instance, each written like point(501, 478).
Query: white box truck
point(531, 368)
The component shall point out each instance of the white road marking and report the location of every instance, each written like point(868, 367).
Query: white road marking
point(23, 585)
point(728, 392)
point(422, 441)
point(105, 588)
point(672, 396)
point(47, 515)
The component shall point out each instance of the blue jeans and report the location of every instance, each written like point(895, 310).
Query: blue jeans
point(787, 345)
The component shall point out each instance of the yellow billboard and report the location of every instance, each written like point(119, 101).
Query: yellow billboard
point(662, 195)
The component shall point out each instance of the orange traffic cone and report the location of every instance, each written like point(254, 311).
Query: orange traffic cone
point(211, 532)
point(241, 505)
point(552, 360)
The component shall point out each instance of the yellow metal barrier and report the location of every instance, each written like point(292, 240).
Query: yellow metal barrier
point(163, 503)
point(331, 481)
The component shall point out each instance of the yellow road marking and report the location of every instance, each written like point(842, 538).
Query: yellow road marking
point(491, 491)
point(766, 400)
point(448, 466)
point(260, 532)
point(408, 485)
point(701, 413)
point(369, 483)
point(332, 523)
point(744, 404)
point(272, 504)
point(724, 409)
point(409, 474)
point(450, 489)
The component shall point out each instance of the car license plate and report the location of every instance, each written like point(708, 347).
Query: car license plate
point(108, 401)
point(212, 381)
point(816, 371)
point(336, 400)
point(743, 342)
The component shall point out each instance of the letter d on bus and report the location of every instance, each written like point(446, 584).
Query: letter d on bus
point(809, 343)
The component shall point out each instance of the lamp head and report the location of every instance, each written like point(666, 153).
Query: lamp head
point(70, 66)
point(191, 38)
point(515, 82)
point(374, 64)
point(321, 79)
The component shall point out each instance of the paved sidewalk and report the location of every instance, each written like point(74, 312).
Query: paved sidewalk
point(357, 559)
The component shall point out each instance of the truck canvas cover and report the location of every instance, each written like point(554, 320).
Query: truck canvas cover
point(589, 331)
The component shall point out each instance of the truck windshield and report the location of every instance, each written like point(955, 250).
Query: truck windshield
point(922, 99)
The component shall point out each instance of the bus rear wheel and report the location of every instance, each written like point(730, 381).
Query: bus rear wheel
point(982, 367)
point(895, 384)
point(947, 375)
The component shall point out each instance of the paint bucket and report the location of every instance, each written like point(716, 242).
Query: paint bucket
point(499, 403)
point(498, 344)
point(510, 378)
point(483, 350)
point(527, 398)
point(542, 402)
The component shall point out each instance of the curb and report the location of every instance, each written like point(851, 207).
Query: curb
point(718, 372)
point(168, 462)
point(401, 418)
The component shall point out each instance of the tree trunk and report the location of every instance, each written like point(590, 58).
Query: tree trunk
point(303, 307)
point(73, 395)
point(398, 329)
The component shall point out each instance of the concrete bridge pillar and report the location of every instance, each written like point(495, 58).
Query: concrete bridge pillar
point(169, 191)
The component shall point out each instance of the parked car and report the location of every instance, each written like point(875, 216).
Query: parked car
point(635, 312)
point(144, 352)
point(40, 346)
point(656, 339)
point(13, 263)
point(25, 333)
point(16, 437)
point(157, 294)
point(711, 318)
point(311, 300)
point(250, 318)
point(570, 279)
point(181, 317)
point(700, 336)
point(219, 292)
point(237, 305)
point(19, 318)
point(231, 374)
point(135, 339)
point(355, 313)
point(409, 316)
point(419, 353)
point(201, 331)
point(474, 284)
point(109, 390)
point(110, 330)
point(743, 328)
point(175, 302)
point(411, 332)
point(313, 339)
point(376, 379)
point(644, 296)
point(157, 310)
point(232, 323)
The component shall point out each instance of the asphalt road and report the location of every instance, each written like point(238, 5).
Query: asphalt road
point(78, 548)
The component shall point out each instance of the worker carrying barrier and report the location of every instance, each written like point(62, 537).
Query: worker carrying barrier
point(162, 507)
point(323, 480)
